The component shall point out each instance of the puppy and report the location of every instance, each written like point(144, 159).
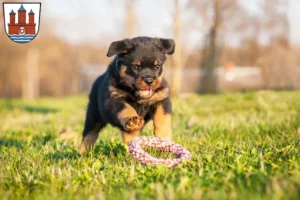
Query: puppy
point(131, 92)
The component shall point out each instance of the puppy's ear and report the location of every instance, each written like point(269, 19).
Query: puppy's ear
point(167, 45)
point(117, 47)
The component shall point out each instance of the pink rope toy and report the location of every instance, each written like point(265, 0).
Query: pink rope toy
point(135, 148)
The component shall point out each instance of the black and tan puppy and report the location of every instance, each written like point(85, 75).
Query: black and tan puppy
point(131, 92)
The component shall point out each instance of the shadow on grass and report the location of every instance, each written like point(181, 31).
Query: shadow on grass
point(110, 148)
point(62, 155)
point(42, 139)
point(9, 104)
point(37, 141)
point(12, 143)
point(38, 109)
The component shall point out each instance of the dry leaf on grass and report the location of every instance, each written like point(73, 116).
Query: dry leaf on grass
point(65, 134)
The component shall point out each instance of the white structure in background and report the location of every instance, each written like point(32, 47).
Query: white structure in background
point(235, 78)
point(238, 78)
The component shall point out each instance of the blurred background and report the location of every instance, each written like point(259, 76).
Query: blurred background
point(221, 45)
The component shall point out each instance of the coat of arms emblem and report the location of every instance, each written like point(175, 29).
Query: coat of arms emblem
point(21, 21)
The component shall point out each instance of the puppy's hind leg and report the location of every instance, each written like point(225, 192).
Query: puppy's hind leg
point(92, 127)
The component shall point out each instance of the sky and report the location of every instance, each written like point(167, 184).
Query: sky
point(103, 20)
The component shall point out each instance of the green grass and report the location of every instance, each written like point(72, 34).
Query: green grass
point(244, 146)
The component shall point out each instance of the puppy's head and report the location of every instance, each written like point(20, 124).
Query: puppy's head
point(141, 62)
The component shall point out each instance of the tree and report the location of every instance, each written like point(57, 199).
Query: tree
point(217, 16)
point(209, 81)
point(276, 61)
point(131, 19)
point(31, 76)
point(177, 57)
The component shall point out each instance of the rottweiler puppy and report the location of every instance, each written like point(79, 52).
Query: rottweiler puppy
point(131, 92)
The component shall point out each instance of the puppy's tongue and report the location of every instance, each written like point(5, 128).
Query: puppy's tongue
point(145, 93)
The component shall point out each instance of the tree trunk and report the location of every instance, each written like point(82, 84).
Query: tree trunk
point(209, 82)
point(131, 19)
point(177, 57)
point(31, 77)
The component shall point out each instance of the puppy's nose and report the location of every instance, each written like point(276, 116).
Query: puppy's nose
point(148, 79)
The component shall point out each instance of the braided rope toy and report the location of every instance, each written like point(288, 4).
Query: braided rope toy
point(136, 145)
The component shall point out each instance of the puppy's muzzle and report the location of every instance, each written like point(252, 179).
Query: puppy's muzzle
point(148, 79)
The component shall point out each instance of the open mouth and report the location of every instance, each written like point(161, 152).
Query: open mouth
point(145, 93)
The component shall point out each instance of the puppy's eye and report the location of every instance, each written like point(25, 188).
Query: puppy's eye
point(136, 67)
point(157, 67)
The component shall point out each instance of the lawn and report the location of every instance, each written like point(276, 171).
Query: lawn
point(244, 146)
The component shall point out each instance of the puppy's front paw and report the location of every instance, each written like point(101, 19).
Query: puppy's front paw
point(134, 123)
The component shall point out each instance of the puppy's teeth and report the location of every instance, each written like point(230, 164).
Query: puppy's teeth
point(145, 93)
